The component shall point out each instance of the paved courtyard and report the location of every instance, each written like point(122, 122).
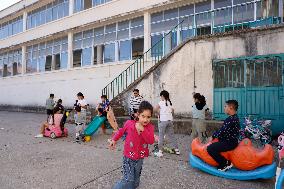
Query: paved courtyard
point(27, 162)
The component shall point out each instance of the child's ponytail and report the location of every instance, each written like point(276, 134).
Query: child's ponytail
point(166, 95)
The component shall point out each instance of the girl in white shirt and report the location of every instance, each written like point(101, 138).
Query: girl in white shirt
point(166, 126)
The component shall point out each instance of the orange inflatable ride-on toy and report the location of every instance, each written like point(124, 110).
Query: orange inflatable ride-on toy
point(249, 162)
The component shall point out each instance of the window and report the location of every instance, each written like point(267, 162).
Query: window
point(87, 4)
point(48, 63)
point(87, 56)
point(11, 28)
point(77, 58)
point(243, 13)
point(222, 3)
point(52, 11)
point(64, 60)
point(110, 33)
point(42, 64)
point(123, 30)
point(137, 47)
point(57, 62)
point(137, 27)
point(157, 45)
point(125, 50)
point(109, 52)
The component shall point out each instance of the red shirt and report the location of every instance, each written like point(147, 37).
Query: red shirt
point(136, 146)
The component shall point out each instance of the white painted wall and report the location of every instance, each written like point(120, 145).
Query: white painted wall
point(176, 75)
point(33, 89)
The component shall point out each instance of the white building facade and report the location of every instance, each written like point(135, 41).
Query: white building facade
point(70, 46)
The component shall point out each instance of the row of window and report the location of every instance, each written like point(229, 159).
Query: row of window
point(47, 56)
point(80, 5)
point(52, 11)
point(11, 63)
point(11, 28)
point(124, 40)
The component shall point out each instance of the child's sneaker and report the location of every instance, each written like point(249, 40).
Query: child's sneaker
point(39, 136)
point(177, 152)
point(169, 150)
point(158, 153)
point(228, 166)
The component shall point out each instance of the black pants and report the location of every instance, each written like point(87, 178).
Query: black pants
point(132, 116)
point(215, 149)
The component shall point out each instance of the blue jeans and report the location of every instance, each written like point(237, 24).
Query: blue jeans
point(131, 174)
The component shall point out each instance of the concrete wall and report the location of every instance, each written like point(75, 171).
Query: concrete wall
point(176, 74)
point(32, 90)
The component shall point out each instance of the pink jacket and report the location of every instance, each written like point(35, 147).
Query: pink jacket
point(135, 146)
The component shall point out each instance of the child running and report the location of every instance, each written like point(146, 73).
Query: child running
point(139, 135)
point(199, 109)
point(166, 126)
point(227, 136)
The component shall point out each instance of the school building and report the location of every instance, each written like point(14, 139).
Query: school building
point(221, 48)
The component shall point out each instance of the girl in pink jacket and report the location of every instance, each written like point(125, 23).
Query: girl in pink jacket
point(139, 135)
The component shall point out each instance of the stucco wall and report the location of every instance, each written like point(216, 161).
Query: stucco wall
point(33, 89)
point(176, 74)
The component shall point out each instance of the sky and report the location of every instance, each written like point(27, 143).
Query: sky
point(6, 3)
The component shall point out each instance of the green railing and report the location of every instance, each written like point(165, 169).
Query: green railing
point(230, 18)
point(141, 64)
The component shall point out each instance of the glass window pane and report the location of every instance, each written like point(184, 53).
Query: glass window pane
point(54, 13)
point(244, 12)
point(87, 56)
point(48, 14)
point(110, 28)
point(186, 10)
point(88, 42)
point(99, 39)
point(222, 3)
point(60, 10)
point(223, 16)
point(203, 6)
point(43, 17)
point(172, 13)
point(64, 60)
point(157, 27)
point(123, 25)
point(110, 37)
point(42, 64)
point(137, 31)
point(31, 66)
point(88, 33)
point(240, 1)
point(123, 34)
point(137, 21)
point(157, 17)
point(157, 45)
point(203, 18)
point(109, 52)
point(125, 50)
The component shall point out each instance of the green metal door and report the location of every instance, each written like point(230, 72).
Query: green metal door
point(256, 83)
